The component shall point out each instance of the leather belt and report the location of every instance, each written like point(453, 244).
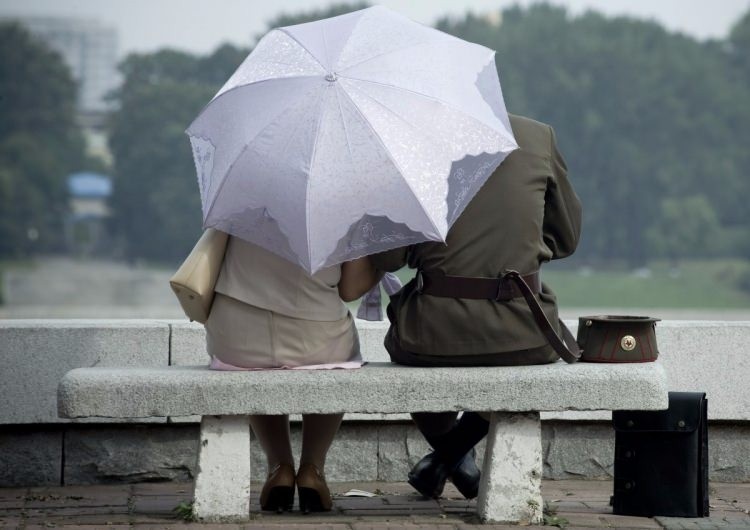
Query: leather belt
point(476, 288)
point(510, 285)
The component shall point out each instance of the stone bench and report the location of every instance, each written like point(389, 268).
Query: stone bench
point(512, 473)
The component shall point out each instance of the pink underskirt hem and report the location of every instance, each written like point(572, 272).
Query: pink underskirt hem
point(216, 364)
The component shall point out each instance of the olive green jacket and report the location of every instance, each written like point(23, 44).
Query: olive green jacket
point(526, 214)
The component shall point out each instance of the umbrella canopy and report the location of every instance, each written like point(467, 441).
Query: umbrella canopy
point(349, 136)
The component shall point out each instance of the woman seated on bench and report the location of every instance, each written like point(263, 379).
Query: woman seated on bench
point(271, 314)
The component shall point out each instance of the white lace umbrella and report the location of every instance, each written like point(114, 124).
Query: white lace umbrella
point(349, 136)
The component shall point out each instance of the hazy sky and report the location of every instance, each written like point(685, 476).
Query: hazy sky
point(201, 25)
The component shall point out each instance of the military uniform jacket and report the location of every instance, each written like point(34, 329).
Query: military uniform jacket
point(526, 214)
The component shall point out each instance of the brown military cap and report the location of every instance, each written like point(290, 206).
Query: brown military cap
point(617, 338)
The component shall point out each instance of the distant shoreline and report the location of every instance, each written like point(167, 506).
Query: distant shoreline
point(90, 312)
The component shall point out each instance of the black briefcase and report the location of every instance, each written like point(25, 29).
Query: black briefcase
point(661, 459)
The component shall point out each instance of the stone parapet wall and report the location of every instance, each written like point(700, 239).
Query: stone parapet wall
point(703, 356)
point(37, 447)
point(36, 455)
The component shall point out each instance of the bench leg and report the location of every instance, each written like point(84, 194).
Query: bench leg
point(222, 486)
point(510, 490)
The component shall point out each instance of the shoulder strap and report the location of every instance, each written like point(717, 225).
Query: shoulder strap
point(566, 347)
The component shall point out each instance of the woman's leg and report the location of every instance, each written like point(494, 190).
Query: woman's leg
point(318, 432)
point(272, 432)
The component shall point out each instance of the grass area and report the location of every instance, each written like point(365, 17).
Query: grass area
point(695, 285)
point(6, 265)
point(715, 284)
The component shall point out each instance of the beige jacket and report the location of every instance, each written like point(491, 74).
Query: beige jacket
point(260, 278)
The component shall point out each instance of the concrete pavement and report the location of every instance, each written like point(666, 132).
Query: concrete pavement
point(570, 504)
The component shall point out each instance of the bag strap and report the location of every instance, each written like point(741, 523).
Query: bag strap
point(566, 347)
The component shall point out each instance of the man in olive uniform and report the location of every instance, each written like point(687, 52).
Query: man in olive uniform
point(463, 309)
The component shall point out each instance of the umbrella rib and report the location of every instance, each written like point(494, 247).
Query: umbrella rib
point(295, 39)
point(252, 83)
point(325, 45)
point(343, 123)
point(244, 148)
point(310, 176)
point(390, 157)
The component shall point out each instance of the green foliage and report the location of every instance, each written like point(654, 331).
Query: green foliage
point(555, 520)
point(642, 116)
point(40, 144)
point(332, 10)
point(742, 281)
point(685, 224)
point(652, 124)
point(184, 511)
point(550, 517)
point(156, 205)
point(739, 41)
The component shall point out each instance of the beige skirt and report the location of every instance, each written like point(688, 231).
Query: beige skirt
point(246, 336)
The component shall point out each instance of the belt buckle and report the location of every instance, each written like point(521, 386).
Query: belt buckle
point(499, 294)
point(420, 282)
point(502, 282)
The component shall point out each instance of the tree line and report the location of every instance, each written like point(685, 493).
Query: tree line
point(654, 126)
point(39, 144)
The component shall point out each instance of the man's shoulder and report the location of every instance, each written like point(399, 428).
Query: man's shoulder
point(525, 122)
point(530, 134)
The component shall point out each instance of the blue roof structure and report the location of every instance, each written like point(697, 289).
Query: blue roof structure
point(89, 185)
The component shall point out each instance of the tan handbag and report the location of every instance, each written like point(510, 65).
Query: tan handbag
point(195, 280)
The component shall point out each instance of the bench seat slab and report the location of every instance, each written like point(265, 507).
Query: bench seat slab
point(377, 387)
point(222, 484)
point(510, 489)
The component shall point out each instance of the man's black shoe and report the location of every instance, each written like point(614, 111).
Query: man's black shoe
point(466, 476)
point(428, 477)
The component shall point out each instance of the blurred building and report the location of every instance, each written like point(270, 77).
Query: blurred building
point(85, 229)
point(90, 50)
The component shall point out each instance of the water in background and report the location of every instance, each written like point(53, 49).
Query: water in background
point(70, 288)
